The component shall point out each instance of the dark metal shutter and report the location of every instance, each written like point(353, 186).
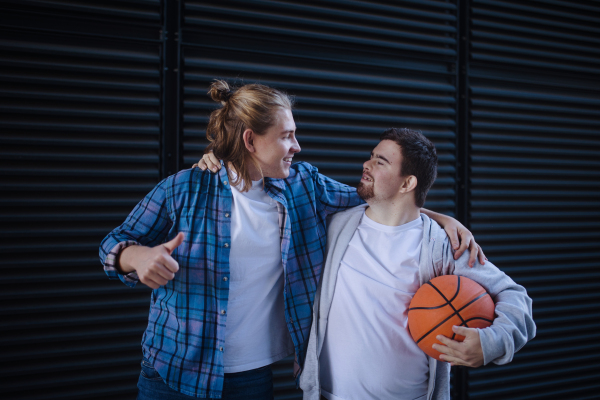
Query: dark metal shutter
point(535, 95)
point(355, 68)
point(79, 147)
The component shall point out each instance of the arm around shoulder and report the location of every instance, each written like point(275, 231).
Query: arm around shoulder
point(332, 196)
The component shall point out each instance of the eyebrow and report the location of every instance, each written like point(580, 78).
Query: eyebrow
point(380, 156)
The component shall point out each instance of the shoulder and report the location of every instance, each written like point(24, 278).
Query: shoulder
point(300, 180)
point(438, 243)
point(433, 230)
point(303, 167)
point(189, 175)
point(189, 178)
point(185, 175)
point(301, 170)
point(338, 220)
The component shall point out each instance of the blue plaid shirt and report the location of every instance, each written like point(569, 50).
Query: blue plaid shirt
point(185, 336)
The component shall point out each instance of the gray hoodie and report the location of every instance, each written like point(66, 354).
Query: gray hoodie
point(512, 327)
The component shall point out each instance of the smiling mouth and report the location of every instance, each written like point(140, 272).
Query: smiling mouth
point(288, 159)
point(367, 178)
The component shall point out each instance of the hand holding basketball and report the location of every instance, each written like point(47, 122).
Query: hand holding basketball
point(467, 353)
point(443, 307)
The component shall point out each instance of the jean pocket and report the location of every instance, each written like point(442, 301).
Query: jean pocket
point(149, 372)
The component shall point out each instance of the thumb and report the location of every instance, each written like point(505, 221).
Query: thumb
point(176, 241)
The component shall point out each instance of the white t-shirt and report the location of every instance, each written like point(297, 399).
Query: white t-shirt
point(368, 352)
point(256, 333)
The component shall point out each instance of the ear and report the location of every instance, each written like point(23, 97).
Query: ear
point(409, 184)
point(248, 137)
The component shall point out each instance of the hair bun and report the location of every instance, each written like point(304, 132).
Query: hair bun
point(220, 91)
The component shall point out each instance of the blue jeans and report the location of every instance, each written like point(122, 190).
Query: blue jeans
point(256, 384)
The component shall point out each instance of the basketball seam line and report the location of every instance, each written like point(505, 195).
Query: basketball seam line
point(474, 318)
point(443, 305)
point(451, 315)
point(449, 302)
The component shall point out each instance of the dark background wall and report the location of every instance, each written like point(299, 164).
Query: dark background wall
point(101, 99)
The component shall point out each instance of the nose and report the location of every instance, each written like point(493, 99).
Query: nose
point(366, 165)
point(295, 146)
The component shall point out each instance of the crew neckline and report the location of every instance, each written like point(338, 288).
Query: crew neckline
point(392, 229)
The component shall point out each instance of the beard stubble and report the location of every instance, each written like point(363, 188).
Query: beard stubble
point(365, 192)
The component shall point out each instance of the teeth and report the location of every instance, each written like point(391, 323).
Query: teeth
point(287, 159)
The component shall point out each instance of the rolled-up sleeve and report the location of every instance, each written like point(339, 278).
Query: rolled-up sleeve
point(147, 225)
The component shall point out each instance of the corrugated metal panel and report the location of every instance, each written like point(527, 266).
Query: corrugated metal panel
point(80, 143)
point(79, 146)
point(355, 68)
point(535, 146)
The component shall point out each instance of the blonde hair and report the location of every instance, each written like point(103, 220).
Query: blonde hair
point(251, 106)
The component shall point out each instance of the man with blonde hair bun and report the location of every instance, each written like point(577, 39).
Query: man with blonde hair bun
point(233, 257)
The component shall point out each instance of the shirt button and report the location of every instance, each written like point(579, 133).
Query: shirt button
point(223, 312)
point(225, 278)
point(225, 183)
point(220, 349)
point(226, 215)
point(226, 245)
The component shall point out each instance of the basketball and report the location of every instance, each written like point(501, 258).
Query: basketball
point(446, 301)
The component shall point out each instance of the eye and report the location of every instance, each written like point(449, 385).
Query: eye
point(379, 163)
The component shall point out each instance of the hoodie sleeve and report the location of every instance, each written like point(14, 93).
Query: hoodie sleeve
point(513, 325)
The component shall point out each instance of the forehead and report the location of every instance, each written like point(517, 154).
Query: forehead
point(388, 149)
point(284, 120)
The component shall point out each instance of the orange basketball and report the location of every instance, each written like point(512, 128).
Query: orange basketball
point(446, 301)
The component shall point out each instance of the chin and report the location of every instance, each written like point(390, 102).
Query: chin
point(285, 172)
point(365, 192)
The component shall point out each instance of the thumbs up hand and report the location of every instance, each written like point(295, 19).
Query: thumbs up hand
point(154, 265)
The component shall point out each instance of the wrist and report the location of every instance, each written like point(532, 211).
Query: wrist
point(125, 261)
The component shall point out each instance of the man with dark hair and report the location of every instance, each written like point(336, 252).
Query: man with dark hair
point(378, 255)
point(419, 158)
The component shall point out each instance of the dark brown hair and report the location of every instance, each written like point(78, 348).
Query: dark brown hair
point(251, 106)
point(419, 158)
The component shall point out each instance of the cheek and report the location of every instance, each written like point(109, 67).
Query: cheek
point(282, 151)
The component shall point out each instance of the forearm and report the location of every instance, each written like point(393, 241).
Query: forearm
point(441, 219)
point(513, 325)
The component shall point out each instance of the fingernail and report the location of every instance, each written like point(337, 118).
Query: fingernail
point(215, 169)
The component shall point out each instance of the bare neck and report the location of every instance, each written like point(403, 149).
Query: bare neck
point(393, 213)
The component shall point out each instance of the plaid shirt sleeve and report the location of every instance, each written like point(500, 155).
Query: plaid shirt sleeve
point(333, 196)
point(147, 225)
